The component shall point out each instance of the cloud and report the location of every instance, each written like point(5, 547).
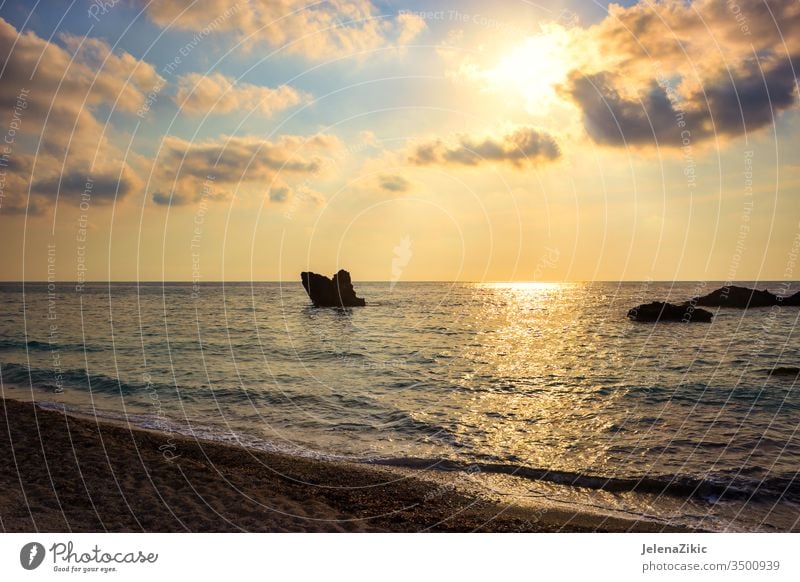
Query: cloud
point(727, 106)
point(106, 78)
point(652, 70)
point(218, 94)
point(702, 70)
point(410, 26)
point(196, 169)
point(295, 196)
point(67, 83)
point(369, 139)
point(162, 199)
point(233, 159)
point(703, 33)
point(525, 146)
point(279, 193)
point(64, 87)
point(312, 30)
point(101, 188)
point(394, 183)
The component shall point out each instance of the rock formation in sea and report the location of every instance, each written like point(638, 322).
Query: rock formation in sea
point(658, 311)
point(335, 292)
point(728, 296)
point(738, 297)
point(792, 300)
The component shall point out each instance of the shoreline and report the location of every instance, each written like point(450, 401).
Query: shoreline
point(63, 472)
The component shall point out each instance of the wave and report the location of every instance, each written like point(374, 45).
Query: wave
point(299, 354)
point(745, 485)
point(710, 489)
point(226, 435)
point(10, 344)
point(53, 379)
point(330, 411)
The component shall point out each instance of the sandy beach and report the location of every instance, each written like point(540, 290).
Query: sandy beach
point(64, 473)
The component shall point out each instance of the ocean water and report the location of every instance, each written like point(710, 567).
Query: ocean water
point(532, 392)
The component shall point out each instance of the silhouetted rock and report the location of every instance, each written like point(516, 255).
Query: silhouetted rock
point(739, 297)
point(658, 311)
point(785, 371)
point(336, 292)
point(792, 300)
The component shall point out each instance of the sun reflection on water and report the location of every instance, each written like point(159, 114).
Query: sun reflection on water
point(526, 285)
point(531, 339)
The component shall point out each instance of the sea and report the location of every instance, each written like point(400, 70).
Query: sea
point(529, 393)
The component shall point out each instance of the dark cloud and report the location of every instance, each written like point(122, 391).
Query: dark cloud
point(729, 105)
point(714, 68)
point(525, 146)
point(214, 169)
point(751, 99)
point(234, 160)
point(394, 183)
point(208, 194)
point(166, 200)
point(300, 195)
point(18, 206)
point(101, 188)
point(279, 194)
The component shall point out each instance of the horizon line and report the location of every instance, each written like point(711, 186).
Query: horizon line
point(544, 281)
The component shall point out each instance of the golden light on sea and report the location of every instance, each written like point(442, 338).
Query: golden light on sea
point(525, 285)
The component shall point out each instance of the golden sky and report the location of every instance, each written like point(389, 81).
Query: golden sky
point(400, 140)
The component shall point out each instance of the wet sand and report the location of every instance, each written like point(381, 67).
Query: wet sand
point(63, 473)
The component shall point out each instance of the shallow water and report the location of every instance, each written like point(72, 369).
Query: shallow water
point(529, 385)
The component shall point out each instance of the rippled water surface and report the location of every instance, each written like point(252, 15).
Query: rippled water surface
point(550, 383)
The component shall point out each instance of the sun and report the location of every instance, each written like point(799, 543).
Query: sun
point(534, 68)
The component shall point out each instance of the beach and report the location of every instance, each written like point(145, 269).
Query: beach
point(64, 473)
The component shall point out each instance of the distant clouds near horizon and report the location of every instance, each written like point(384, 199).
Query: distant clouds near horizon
point(319, 136)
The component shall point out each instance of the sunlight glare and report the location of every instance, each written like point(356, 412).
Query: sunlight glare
point(535, 68)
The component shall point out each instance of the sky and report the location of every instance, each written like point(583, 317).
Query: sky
point(460, 140)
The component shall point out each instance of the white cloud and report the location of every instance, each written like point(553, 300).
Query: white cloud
point(312, 30)
point(218, 94)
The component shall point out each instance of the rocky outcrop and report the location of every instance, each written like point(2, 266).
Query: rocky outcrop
point(658, 311)
point(738, 297)
point(785, 371)
point(729, 296)
point(335, 292)
point(792, 300)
